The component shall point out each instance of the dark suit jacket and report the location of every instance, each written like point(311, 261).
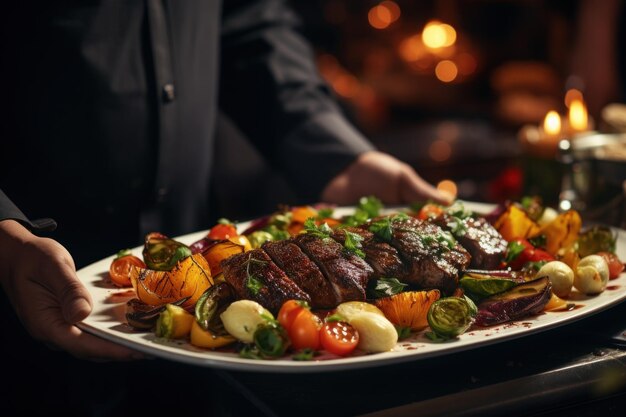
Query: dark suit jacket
point(113, 104)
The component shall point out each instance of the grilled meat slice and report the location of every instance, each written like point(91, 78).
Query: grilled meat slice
point(303, 271)
point(381, 256)
point(254, 276)
point(434, 260)
point(479, 237)
point(347, 273)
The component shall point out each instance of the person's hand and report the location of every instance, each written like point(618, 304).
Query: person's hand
point(379, 174)
point(39, 278)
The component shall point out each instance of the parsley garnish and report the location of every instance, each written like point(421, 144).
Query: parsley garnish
point(324, 213)
point(383, 228)
point(353, 243)
point(305, 354)
point(403, 332)
point(253, 283)
point(385, 287)
point(322, 231)
point(513, 251)
point(368, 207)
point(457, 226)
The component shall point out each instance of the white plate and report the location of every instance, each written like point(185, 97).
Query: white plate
point(107, 321)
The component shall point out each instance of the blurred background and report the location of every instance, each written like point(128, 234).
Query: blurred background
point(462, 90)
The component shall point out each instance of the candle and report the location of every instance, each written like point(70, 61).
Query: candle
point(542, 141)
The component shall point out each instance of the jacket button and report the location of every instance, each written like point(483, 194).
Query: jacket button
point(168, 92)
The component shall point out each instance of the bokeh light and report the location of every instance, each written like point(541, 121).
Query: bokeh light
point(446, 71)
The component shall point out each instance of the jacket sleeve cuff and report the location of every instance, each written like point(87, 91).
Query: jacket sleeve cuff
point(9, 211)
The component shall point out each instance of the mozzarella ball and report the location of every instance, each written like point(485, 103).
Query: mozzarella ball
point(561, 276)
point(242, 318)
point(592, 275)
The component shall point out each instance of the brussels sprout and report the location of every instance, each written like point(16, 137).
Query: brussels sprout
point(174, 322)
point(592, 274)
point(259, 237)
point(561, 276)
point(450, 317)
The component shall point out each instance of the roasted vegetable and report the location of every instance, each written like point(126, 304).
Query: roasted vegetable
point(408, 309)
point(451, 316)
point(561, 232)
point(596, 239)
point(141, 315)
point(211, 304)
point(515, 223)
point(188, 279)
point(207, 339)
point(520, 301)
point(174, 322)
point(479, 286)
point(218, 250)
point(161, 253)
point(592, 274)
point(271, 339)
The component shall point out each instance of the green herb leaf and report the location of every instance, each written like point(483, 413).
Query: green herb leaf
point(322, 231)
point(383, 228)
point(305, 354)
point(254, 285)
point(250, 352)
point(370, 205)
point(325, 213)
point(403, 332)
point(353, 243)
point(436, 337)
point(334, 317)
point(385, 287)
point(458, 210)
point(513, 251)
point(538, 241)
point(122, 253)
point(457, 226)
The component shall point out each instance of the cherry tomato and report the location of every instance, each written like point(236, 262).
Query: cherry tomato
point(288, 312)
point(615, 264)
point(119, 271)
point(429, 211)
point(529, 253)
point(222, 231)
point(339, 338)
point(304, 332)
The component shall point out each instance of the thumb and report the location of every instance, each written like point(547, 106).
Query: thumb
point(74, 299)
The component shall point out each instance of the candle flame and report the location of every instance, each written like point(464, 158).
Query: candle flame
point(578, 118)
point(552, 123)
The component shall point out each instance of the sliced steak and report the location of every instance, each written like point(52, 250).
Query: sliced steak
point(347, 273)
point(381, 256)
point(254, 276)
point(434, 260)
point(303, 271)
point(479, 237)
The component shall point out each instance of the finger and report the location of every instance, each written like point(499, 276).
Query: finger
point(61, 280)
point(414, 188)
